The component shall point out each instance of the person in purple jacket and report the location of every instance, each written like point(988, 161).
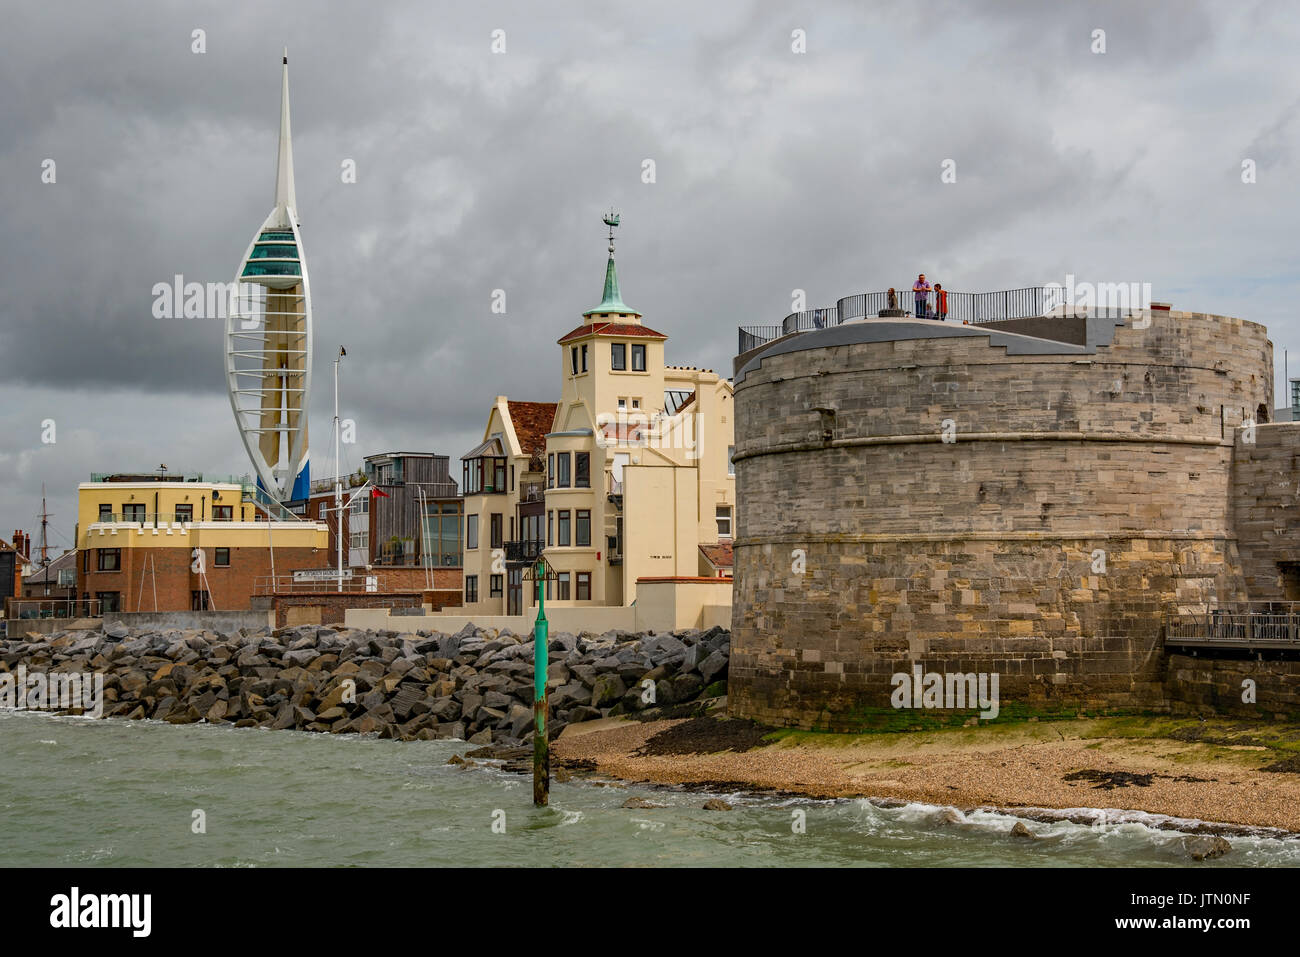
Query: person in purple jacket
point(920, 292)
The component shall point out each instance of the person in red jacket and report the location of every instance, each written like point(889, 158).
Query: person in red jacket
point(940, 303)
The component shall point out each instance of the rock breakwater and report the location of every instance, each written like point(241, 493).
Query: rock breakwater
point(475, 685)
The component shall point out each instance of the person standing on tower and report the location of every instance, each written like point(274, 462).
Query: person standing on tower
point(940, 303)
point(920, 292)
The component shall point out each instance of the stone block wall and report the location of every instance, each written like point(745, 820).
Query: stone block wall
point(1265, 495)
point(939, 501)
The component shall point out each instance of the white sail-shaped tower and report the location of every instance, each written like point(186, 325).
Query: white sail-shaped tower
point(268, 338)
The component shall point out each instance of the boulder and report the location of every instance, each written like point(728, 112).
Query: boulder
point(713, 666)
point(606, 690)
point(1205, 847)
point(641, 804)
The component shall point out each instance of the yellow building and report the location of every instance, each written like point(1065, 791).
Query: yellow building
point(637, 471)
point(503, 482)
point(163, 543)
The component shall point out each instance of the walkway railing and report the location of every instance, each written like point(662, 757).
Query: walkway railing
point(52, 608)
point(1248, 624)
point(965, 307)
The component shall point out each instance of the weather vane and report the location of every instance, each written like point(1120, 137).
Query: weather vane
point(611, 220)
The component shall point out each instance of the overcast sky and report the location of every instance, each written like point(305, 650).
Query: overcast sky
point(476, 171)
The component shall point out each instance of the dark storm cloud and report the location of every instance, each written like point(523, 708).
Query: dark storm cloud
point(776, 172)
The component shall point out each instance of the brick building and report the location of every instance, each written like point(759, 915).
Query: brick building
point(176, 543)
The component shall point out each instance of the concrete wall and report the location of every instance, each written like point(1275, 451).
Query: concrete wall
point(595, 619)
point(866, 540)
point(222, 622)
point(671, 604)
point(18, 627)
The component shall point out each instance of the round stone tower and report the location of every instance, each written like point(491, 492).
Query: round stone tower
point(1025, 498)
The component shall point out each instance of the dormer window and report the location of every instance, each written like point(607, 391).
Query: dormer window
point(484, 469)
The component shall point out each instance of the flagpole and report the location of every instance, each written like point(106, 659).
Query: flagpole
point(338, 486)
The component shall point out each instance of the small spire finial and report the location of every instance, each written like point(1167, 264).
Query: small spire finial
point(611, 220)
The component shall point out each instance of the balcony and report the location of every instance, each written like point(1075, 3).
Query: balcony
point(525, 550)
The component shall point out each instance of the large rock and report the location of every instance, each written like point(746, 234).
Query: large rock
point(713, 667)
point(1205, 847)
point(607, 690)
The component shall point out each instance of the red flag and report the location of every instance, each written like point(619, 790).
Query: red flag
point(375, 493)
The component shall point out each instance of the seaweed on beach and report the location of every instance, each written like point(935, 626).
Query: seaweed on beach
point(1109, 780)
point(1285, 766)
point(705, 736)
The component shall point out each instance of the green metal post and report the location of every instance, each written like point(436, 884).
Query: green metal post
point(541, 705)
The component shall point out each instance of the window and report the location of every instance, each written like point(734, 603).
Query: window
point(573, 359)
point(471, 531)
point(359, 541)
point(109, 601)
point(185, 513)
point(562, 586)
point(731, 460)
point(486, 474)
point(724, 521)
point(583, 529)
point(85, 560)
point(133, 512)
point(561, 469)
point(622, 402)
point(361, 506)
point(222, 558)
point(562, 530)
point(495, 526)
point(636, 403)
point(550, 525)
point(550, 470)
point(222, 513)
point(105, 512)
point(584, 357)
point(442, 534)
point(618, 356)
point(198, 601)
point(110, 560)
point(471, 589)
point(512, 528)
point(638, 357)
point(584, 586)
point(494, 586)
point(512, 478)
point(582, 470)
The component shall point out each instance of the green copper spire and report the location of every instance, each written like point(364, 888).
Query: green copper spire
point(611, 300)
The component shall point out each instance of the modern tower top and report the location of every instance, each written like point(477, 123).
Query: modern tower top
point(285, 199)
point(269, 337)
point(611, 301)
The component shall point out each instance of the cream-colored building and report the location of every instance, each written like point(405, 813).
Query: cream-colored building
point(503, 483)
point(636, 473)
